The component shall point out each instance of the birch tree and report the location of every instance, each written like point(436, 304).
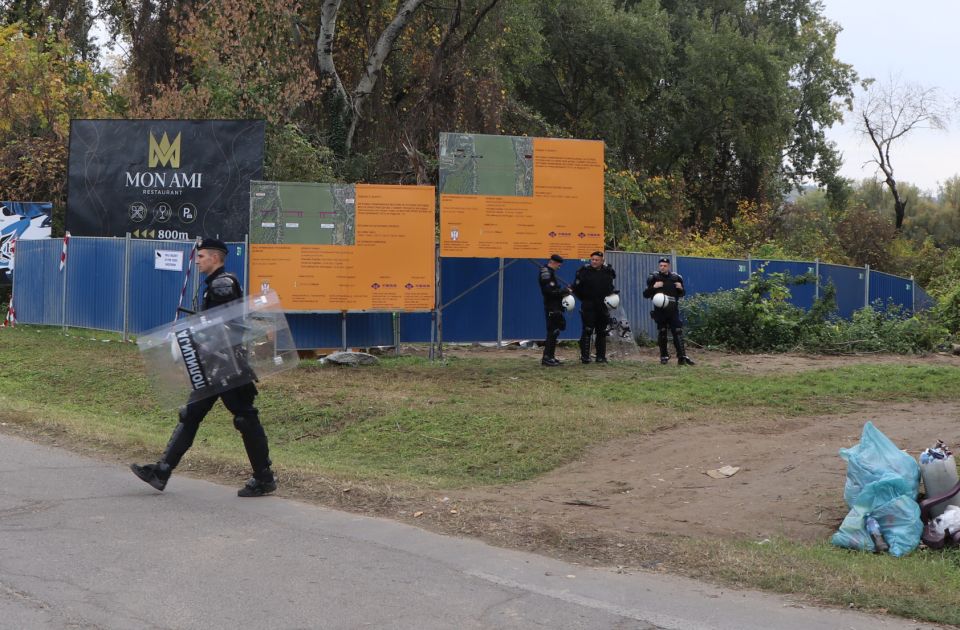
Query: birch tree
point(350, 104)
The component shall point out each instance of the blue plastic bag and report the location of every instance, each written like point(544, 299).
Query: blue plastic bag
point(873, 458)
point(891, 501)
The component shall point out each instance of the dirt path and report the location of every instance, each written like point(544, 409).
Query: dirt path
point(790, 481)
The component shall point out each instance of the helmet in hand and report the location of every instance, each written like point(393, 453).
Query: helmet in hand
point(612, 300)
point(568, 302)
point(660, 300)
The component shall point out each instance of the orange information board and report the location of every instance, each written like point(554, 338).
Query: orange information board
point(519, 197)
point(343, 247)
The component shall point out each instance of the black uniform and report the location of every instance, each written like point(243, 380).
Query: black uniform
point(553, 295)
point(221, 288)
point(668, 317)
point(591, 286)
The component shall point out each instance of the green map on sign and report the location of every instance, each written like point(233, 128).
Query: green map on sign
point(288, 213)
point(473, 164)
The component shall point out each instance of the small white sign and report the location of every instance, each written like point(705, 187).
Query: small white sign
point(167, 260)
point(293, 225)
point(327, 226)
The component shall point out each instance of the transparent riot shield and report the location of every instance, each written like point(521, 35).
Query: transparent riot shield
point(621, 343)
point(218, 349)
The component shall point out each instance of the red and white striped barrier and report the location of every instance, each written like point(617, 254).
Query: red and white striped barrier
point(63, 253)
point(11, 319)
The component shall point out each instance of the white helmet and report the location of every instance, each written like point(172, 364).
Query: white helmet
point(660, 300)
point(568, 302)
point(612, 300)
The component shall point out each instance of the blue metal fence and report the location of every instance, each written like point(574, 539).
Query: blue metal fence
point(112, 284)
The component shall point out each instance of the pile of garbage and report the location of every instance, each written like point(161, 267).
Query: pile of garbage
point(882, 486)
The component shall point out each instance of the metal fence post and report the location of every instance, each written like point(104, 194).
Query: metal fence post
point(343, 330)
point(126, 286)
point(63, 295)
point(816, 284)
point(866, 286)
point(913, 295)
point(500, 305)
point(396, 334)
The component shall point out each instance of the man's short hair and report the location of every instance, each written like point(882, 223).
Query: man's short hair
point(556, 258)
point(597, 253)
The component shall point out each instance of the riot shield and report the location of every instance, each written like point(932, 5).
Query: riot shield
point(621, 344)
point(218, 349)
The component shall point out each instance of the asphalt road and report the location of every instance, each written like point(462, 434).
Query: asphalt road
point(85, 545)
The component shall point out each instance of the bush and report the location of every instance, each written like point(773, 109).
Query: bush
point(758, 317)
point(755, 317)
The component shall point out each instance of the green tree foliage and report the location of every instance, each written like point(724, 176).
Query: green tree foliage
point(45, 83)
point(730, 98)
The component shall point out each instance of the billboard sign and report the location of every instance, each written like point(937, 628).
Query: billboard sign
point(343, 247)
point(520, 197)
point(163, 179)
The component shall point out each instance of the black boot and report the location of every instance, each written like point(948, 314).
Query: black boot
point(662, 342)
point(156, 475)
point(601, 346)
point(585, 347)
point(682, 358)
point(262, 482)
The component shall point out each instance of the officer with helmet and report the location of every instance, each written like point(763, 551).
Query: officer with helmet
point(221, 287)
point(592, 285)
point(556, 299)
point(665, 287)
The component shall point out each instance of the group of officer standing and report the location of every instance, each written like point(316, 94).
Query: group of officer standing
point(594, 287)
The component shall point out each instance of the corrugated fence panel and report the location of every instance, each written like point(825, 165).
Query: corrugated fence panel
point(709, 275)
point(325, 330)
point(523, 316)
point(95, 283)
point(415, 327)
point(886, 288)
point(473, 316)
point(155, 293)
point(632, 271)
point(38, 283)
point(801, 295)
point(849, 282)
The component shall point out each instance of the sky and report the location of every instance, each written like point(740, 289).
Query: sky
point(919, 42)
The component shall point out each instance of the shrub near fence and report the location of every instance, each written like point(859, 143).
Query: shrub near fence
point(112, 284)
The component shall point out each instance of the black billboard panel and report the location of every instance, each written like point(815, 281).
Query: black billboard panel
point(163, 179)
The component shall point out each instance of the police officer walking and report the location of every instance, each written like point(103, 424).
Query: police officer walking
point(594, 282)
point(667, 315)
point(553, 295)
point(221, 288)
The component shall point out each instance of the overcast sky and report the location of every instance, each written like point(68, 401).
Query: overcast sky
point(920, 42)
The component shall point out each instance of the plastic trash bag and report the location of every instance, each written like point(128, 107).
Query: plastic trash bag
point(873, 458)
point(891, 501)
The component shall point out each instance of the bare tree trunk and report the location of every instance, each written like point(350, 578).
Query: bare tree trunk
point(328, 30)
point(375, 60)
point(352, 103)
point(883, 151)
